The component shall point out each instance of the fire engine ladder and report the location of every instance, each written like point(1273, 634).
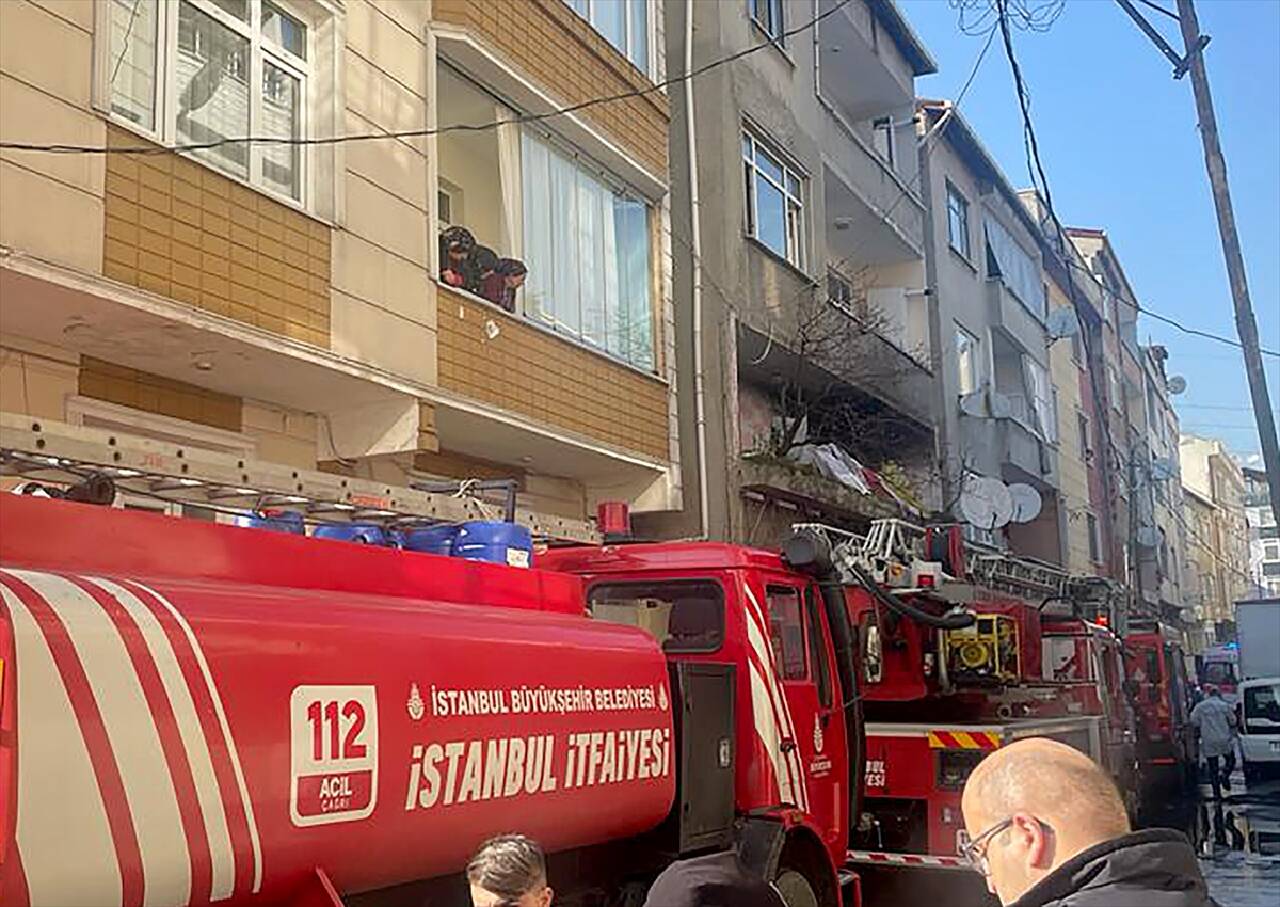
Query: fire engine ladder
point(60, 454)
point(893, 552)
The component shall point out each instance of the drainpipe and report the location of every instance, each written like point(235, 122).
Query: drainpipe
point(695, 249)
point(933, 302)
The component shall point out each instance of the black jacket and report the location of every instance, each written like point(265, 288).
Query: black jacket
point(718, 880)
point(1153, 868)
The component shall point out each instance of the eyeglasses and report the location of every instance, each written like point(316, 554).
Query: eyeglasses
point(975, 850)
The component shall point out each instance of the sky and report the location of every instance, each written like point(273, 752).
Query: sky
point(1121, 151)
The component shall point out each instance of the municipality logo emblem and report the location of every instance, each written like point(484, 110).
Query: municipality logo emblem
point(662, 697)
point(416, 707)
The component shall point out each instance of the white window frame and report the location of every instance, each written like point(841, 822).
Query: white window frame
point(312, 14)
point(963, 215)
point(975, 377)
point(773, 30)
point(1082, 429)
point(1271, 550)
point(794, 232)
point(587, 9)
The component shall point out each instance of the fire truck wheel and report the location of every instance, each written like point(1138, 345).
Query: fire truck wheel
point(795, 889)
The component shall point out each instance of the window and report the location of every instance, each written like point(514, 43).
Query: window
point(1269, 532)
point(1017, 270)
point(1271, 551)
point(231, 68)
point(683, 615)
point(786, 632)
point(883, 135)
point(966, 360)
point(1040, 392)
point(1262, 703)
point(587, 247)
point(1113, 386)
point(767, 14)
point(817, 648)
point(623, 23)
point(585, 240)
point(1077, 347)
point(840, 292)
point(1095, 539)
point(775, 202)
point(1270, 568)
point(1082, 431)
point(958, 221)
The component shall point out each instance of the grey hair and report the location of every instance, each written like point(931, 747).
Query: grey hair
point(508, 865)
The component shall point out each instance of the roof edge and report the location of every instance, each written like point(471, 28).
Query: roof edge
point(904, 36)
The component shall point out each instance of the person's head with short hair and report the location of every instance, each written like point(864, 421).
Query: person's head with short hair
point(509, 871)
point(485, 260)
point(1212, 690)
point(514, 270)
point(458, 244)
point(1031, 806)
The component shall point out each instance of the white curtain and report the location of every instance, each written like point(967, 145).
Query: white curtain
point(587, 248)
point(509, 173)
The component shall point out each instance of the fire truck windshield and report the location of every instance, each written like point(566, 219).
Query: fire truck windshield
point(683, 615)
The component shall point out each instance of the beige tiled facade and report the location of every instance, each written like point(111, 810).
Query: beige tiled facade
point(180, 229)
point(221, 272)
point(528, 370)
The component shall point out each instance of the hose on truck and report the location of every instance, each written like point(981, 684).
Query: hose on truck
point(955, 621)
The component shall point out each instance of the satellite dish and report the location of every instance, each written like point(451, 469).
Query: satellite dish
point(1177, 384)
point(985, 502)
point(1061, 323)
point(971, 404)
point(1026, 502)
point(1148, 536)
point(1001, 406)
point(1162, 469)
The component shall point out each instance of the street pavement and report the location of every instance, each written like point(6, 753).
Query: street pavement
point(1239, 843)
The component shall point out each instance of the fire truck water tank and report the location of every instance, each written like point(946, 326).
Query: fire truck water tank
point(199, 739)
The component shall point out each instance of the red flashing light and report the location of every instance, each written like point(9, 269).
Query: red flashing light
point(1103, 620)
point(613, 519)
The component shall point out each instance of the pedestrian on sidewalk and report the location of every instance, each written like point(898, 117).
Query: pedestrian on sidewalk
point(1215, 721)
point(1047, 828)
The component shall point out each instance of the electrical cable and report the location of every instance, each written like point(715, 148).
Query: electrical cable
point(1160, 9)
point(439, 130)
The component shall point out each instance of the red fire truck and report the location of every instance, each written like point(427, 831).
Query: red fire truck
point(966, 650)
point(1157, 676)
point(196, 713)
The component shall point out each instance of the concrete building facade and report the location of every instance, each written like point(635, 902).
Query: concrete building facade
point(997, 416)
point(281, 300)
point(812, 328)
point(1264, 535)
point(1211, 473)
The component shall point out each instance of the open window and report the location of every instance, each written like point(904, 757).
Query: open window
point(583, 239)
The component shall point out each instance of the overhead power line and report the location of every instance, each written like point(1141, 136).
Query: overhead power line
point(519, 119)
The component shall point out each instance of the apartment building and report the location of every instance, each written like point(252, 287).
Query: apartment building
point(281, 300)
point(1264, 535)
point(803, 338)
point(1215, 481)
point(995, 393)
point(1162, 554)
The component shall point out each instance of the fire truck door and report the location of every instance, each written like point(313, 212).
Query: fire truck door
point(803, 654)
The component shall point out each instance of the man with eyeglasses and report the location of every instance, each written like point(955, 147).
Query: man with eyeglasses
point(509, 871)
point(1047, 828)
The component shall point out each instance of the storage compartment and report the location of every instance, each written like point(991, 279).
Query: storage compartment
point(705, 733)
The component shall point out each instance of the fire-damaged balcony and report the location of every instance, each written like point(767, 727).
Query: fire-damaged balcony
point(833, 430)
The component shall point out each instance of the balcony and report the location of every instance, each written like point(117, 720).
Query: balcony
point(868, 59)
point(874, 214)
point(1014, 319)
point(1019, 444)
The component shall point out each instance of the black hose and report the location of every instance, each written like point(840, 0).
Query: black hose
point(946, 622)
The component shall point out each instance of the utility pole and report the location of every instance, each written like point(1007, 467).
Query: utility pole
point(1246, 326)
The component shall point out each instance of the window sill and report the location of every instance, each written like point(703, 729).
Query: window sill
point(962, 258)
point(765, 38)
point(153, 139)
point(521, 318)
point(775, 257)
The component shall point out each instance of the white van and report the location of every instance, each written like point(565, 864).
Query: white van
point(1260, 730)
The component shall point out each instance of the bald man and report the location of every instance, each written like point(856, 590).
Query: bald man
point(1048, 829)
